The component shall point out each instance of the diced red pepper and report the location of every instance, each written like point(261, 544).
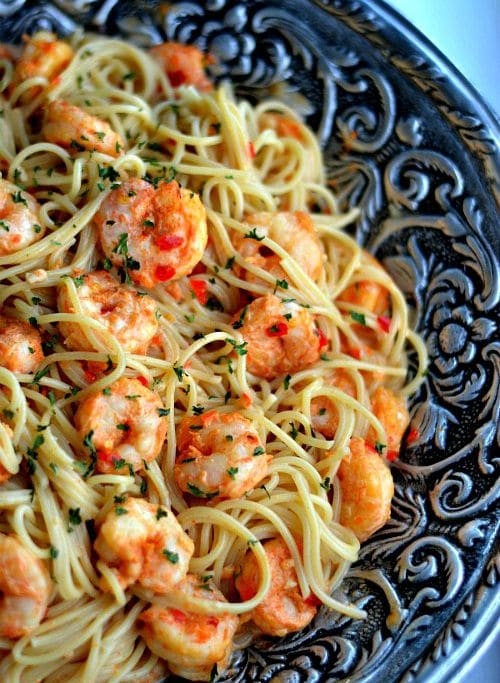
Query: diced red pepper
point(246, 400)
point(313, 600)
point(143, 381)
point(89, 376)
point(199, 288)
point(323, 339)
point(277, 330)
point(384, 323)
point(251, 150)
point(176, 78)
point(107, 456)
point(178, 615)
point(167, 242)
point(164, 273)
point(199, 269)
point(413, 435)
point(392, 455)
point(355, 353)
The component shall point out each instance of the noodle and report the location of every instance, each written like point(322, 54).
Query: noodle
point(226, 152)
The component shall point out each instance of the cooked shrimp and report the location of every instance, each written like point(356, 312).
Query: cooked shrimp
point(283, 610)
point(162, 230)
point(281, 337)
point(125, 425)
point(20, 345)
point(77, 131)
point(129, 317)
point(20, 223)
point(25, 589)
point(183, 64)
point(220, 455)
point(324, 416)
point(367, 490)
point(366, 293)
point(294, 232)
point(392, 412)
point(191, 643)
point(43, 55)
point(144, 543)
point(284, 126)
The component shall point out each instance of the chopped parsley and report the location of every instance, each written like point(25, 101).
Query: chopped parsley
point(252, 235)
point(171, 557)
point(74, 516)
point(258, 451)
point(232, 471)
point(358, 317)
point(160, 512)
point(239, 323)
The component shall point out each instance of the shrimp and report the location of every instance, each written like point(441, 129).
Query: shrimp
point(20, 223)
point(324, 416)
point(294, 232)
point(25, 589)
point(161, 230)
point(129, 317)
point(284, 609)
point(43, 55)
point(220, 455)
point(20, 345)
point(284, 126)
point(183, 64)
point(76, 130)
point(281, 337)
point(392, 412)
point(145, 544)
point(125, 425)
point(366, 293)
point(367, 489)
point(191, 643)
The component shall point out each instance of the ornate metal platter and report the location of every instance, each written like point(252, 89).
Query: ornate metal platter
point(408, 141)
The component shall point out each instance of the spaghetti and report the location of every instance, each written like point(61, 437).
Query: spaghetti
point(288, 345)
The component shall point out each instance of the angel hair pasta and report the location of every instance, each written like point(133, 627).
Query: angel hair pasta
point(202, 375)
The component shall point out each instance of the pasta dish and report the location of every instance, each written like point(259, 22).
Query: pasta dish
point(203, 376)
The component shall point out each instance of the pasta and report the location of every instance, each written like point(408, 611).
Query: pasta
point(176, 257)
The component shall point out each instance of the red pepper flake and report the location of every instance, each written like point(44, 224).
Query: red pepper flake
point(412, 436)
point(168, 242)
point(323, 339)
point(176, 78)
point(384, 323)
point(392, 455)
point(164, 273)
point(199, 288)
point(143, 381)
point(251, 150)
point(178, 615)
point(313, 600)
point(369, 449)
point(277, 330)
point(213, 621)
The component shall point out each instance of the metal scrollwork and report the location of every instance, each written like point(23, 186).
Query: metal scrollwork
point(423, 169)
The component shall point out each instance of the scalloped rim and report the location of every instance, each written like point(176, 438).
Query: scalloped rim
point(479, 636)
